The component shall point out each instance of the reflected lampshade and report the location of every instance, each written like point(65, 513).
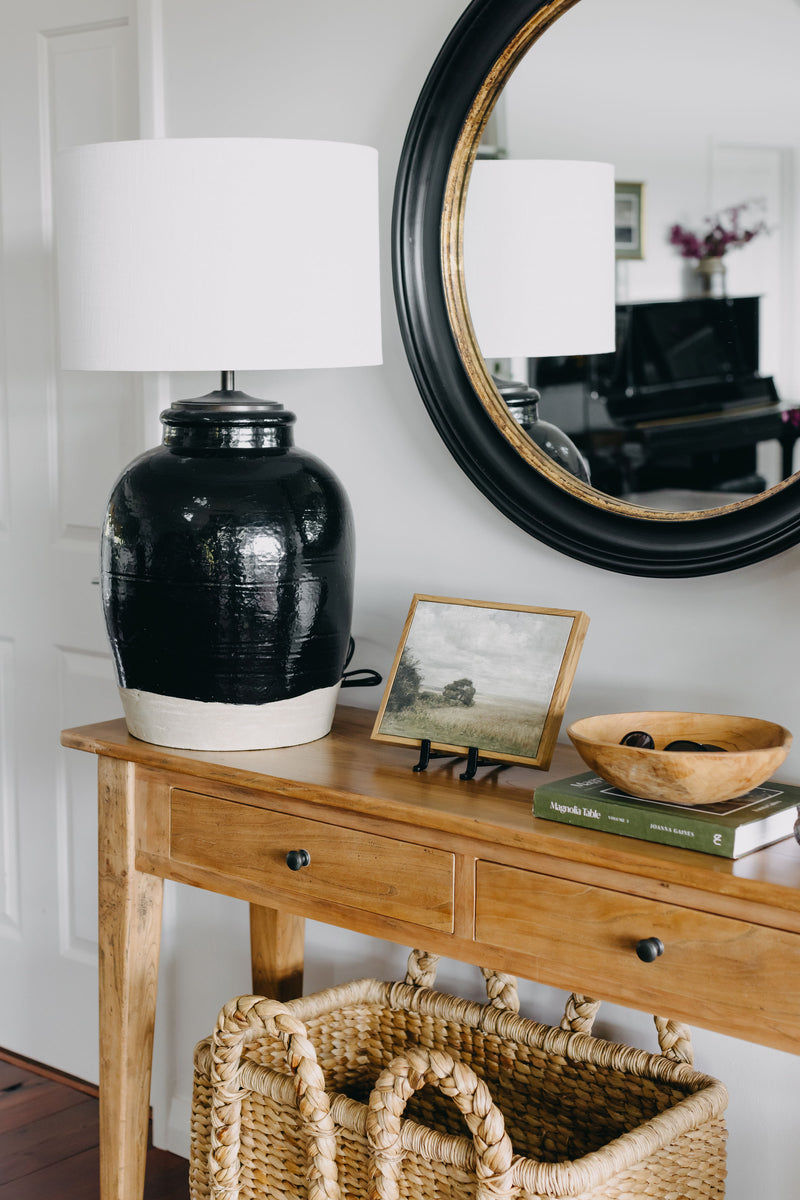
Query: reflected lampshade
point(539, 257)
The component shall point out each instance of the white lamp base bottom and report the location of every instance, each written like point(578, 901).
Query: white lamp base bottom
point(198, 725)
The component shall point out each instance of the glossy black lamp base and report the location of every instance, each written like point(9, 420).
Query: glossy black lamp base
point(227, 581)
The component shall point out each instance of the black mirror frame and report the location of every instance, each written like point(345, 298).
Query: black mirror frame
point(456, 100)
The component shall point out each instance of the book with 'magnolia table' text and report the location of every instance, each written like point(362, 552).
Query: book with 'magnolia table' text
point(730, 828)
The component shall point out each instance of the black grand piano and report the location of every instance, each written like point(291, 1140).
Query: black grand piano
point(680, 404)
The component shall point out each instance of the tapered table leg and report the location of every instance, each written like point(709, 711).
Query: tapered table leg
point(129, 938)
point(276, 951)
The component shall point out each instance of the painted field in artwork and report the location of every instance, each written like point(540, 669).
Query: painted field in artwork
point(492, 723)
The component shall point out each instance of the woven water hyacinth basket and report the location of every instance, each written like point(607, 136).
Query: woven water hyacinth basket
point(362, 1092)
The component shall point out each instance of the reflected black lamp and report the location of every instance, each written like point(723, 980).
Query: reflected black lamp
point(539, 270)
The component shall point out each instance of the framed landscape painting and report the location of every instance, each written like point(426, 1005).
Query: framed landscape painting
point(469, 673)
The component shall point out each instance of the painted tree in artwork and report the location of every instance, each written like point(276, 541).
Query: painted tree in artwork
point(407, 682)
point(460, 691)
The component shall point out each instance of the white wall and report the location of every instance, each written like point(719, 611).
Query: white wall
point(352, 70)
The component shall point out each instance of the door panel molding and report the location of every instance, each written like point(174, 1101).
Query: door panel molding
point(88, 94)
point(86, 685)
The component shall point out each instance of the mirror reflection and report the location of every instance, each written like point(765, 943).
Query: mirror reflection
point(698, 404)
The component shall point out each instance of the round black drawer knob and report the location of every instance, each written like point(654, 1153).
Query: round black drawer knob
point(649, 949)
point(296, 859)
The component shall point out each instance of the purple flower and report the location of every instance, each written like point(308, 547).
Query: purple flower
point(718, 237)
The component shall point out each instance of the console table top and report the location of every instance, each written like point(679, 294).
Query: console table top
point(357, 774)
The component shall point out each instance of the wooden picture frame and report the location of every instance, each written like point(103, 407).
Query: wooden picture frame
point(629, 220)
point(471, 673)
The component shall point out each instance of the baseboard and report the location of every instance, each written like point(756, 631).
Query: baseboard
point(52, 1073)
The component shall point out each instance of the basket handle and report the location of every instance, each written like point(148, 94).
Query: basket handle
point(239, 1021)
point(674, 1038)
point(501, 988)
point(405, 1075)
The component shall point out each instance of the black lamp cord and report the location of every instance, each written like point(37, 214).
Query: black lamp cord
point(361, 677)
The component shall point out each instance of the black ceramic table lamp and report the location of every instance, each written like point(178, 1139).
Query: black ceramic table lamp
point(227, 553)
point(539, 273)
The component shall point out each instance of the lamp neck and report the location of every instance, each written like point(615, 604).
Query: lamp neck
point(227, 419)
point(205, 428)
point(522, 400)
point(226, 399)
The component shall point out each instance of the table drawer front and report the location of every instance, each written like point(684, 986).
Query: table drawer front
point(711, 964)
point(347, 866)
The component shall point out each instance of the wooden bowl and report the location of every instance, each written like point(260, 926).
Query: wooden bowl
point(753, 750)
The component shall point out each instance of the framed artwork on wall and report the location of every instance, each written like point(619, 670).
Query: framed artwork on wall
point(471, 673)
point(629, 226)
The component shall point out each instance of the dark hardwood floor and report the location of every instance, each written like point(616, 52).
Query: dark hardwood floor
point(48, 1140)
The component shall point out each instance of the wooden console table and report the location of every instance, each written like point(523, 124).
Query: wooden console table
point(460, 868)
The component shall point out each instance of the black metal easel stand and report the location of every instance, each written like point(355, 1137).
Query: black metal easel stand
point(473, 760)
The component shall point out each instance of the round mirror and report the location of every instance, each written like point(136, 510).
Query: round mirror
point(668, 422)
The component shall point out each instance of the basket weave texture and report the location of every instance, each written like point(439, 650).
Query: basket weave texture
point(392, 1091)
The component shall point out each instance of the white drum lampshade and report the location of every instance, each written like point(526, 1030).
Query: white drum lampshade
point(208, 254)
point(227, 555)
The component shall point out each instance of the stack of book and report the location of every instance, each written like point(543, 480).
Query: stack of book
point(730, 828)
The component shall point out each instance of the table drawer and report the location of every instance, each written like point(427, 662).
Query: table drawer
point(712, 966)
point(346, 866)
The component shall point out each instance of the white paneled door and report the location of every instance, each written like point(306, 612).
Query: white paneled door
point(67, 75)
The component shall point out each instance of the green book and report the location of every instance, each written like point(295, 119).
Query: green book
point(730, 828)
